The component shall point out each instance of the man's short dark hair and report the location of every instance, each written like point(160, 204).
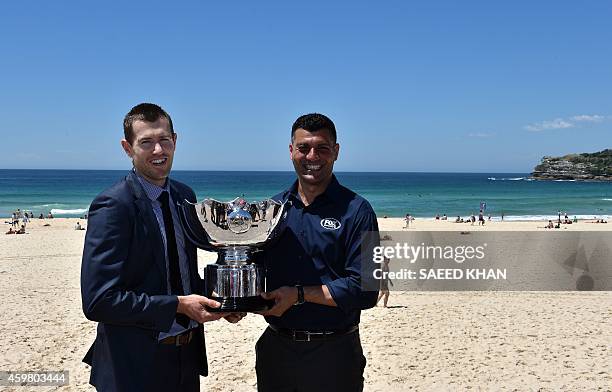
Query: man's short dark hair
point(148, 112)
point(314, 122)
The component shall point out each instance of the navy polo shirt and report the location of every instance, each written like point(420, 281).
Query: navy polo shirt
point(322, 245)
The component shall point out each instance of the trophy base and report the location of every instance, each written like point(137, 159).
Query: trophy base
point(241, 304)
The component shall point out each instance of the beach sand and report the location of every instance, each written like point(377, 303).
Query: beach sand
point(423, 341)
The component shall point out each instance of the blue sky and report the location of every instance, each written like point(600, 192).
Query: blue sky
point(477, 86)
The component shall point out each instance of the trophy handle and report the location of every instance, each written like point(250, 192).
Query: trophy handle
point(193, 229)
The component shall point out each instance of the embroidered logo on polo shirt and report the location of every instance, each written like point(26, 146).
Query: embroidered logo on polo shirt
point(330, 224)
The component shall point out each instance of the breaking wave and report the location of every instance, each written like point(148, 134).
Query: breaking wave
point(509, 179)
point(77, 211)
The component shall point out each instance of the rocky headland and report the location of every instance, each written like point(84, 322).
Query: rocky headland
point(582, 167)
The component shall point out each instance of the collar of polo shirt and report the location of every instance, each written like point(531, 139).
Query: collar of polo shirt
point(332, 191)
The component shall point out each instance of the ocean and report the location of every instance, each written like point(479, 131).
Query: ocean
point(68, 193)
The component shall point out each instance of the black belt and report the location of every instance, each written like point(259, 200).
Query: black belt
point(306, 336)
point(179, 340)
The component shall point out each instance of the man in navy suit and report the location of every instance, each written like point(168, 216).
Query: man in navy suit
point(139, 277)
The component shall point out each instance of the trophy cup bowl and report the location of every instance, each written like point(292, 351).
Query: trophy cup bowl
point(236, 230)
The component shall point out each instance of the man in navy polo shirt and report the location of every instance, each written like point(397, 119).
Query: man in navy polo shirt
point(314, 274)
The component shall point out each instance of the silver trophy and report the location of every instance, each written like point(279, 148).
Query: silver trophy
point(236, 230)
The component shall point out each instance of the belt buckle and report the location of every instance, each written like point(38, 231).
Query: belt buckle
point(301, 336)
point(187, 336)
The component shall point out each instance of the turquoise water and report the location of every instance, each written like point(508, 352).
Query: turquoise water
point(68, 193)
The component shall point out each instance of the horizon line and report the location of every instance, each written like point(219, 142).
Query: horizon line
point(284, 171)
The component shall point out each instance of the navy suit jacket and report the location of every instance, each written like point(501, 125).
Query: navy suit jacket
point(124, 286)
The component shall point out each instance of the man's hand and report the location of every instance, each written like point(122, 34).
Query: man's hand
point(193, 306)
point(284, 298)
point(235, 317)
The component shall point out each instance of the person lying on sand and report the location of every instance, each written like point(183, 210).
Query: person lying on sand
point(550, 225)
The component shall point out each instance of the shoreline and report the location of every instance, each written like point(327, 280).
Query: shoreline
point(397, 224)
point(451, 218)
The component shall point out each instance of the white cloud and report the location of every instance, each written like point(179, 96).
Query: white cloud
point(480, 134)
point(557, 123)
point(563, 123)
point(588, 118)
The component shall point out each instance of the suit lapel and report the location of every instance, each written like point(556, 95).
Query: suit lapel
point(149, 223)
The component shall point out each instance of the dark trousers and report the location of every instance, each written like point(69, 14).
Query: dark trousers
point(335, 364)
point(176, 368)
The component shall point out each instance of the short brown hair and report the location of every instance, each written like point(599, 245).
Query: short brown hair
point(148, 112)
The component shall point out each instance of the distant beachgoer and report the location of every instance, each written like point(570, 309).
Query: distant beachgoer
point(458, 220)
point(263, 205)
point(21, 230)
point(481, 220)
point(444, 217)
point(11, 231)
point(41, 216)
point(408, 218)
point(437, 217)
point(559, 212)
point(384, 283)
point(49, 215)
point(473, 219)
point(550, 225)
point(502, 217)
point(575, 219)
point(78, 226)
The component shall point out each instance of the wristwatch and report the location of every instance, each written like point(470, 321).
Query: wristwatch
point(300, 297)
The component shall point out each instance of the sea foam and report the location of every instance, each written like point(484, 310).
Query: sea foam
point(78, 211)
point(529, 218)
point(553, 218)
point(509, 179)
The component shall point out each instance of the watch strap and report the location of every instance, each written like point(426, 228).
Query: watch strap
point(300, 296)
